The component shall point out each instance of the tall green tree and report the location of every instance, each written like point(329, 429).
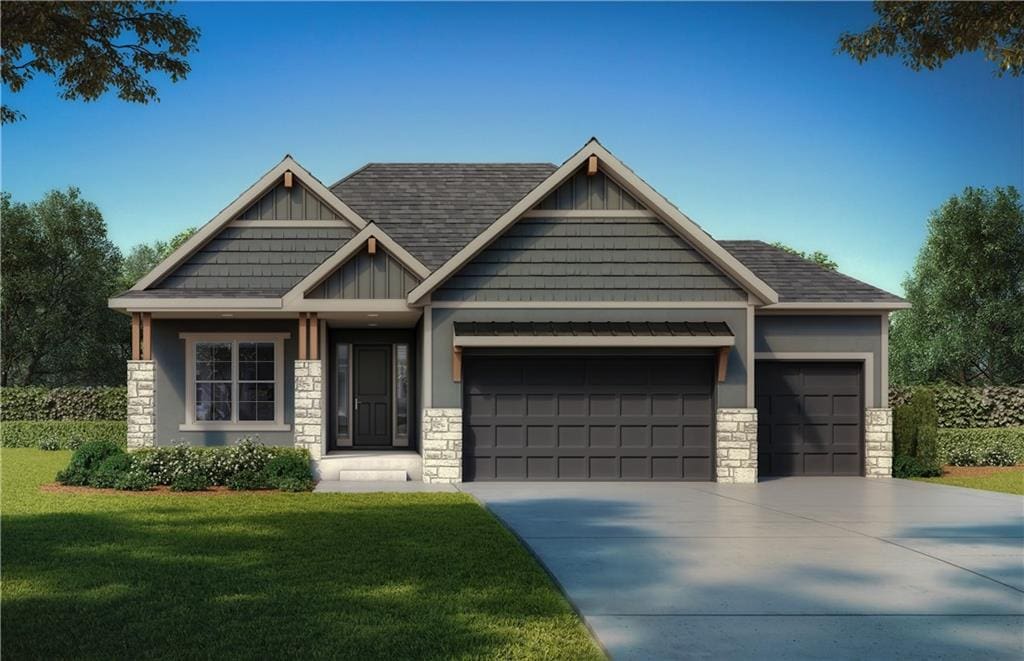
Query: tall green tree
point(818, 257)
point(59, 268)
point(144, 257)
point(966, 325)
point(91, 47)
point(929, 34)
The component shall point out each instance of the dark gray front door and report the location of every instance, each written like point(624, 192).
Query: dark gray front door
point(809, 418)
point(587, 417)
point(372, 396)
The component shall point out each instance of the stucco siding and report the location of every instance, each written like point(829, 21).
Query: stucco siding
point(171, 388)
point(825, 335)
point(590, 259)
point(446, 393)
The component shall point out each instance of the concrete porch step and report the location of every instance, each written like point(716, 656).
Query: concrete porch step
point(372, 475)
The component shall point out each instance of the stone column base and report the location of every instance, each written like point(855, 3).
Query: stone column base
point(141, 404)
point(878, 442)
point(736, 446)
point(309, 411)
point(442, 445)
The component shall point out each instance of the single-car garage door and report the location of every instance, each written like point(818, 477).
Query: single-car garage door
point(809, 418)
point(587, 417)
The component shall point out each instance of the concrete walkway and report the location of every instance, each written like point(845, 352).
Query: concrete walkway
point(840, 568)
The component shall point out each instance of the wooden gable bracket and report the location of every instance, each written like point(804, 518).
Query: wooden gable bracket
point(371, 245)
point(723, 362)
point(592, 166)
point(288, 179)
point(457, 364)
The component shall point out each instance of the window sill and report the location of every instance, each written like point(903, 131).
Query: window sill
point(234, 426)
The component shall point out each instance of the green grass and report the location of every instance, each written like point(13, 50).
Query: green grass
point(1005, 482)
point(430, 576)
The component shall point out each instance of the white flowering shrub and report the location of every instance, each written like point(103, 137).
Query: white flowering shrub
point(217, 466)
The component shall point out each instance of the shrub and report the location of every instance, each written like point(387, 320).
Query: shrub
point(292, 466)
point(971, 447)
point(110, 470)
point(85, 461)
point(295, 484)
point(915, 428)
point(997, 456)
point(134, 480)
point(190, 482)
point(904, 466)
point(246, 480)
point(74, 476)
point(50, 445)
point(969, 407)
point(69, 403)
point(68, 433)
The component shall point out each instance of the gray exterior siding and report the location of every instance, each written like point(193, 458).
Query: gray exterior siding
point(171, 389)
point(824, 334)
point(256, 258)
point(295, 203)
point(377, 276)
point(586, 193)
point(590, 259)
point(446, 393)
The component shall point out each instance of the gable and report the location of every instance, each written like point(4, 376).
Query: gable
point(282, 203)
point(589, 258)
point(366, 276)
point(594, 192)
point(269, 259)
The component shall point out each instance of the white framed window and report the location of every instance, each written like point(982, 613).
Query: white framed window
point(234, 381)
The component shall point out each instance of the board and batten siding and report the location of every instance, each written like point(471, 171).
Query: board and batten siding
point(586, 193)
point(590, 259)
point(257, 258)
point(295, 203)
point(366, 276)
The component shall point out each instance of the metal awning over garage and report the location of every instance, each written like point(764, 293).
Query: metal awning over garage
point(588, 334)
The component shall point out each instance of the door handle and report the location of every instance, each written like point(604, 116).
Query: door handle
point(357, 403)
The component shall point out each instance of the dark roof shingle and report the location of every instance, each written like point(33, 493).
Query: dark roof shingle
point(434, 209)
point(797, 280)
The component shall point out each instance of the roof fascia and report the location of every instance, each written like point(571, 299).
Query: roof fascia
point(240, 204)
point(637, 187)
point(297, 294)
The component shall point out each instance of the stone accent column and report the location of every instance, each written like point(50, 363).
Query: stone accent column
point(309, 408)
point(141, 404)
point(878, 442)
point(442, 445)
point(736, 445)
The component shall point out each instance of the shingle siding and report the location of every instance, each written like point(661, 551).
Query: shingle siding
point(250, 258)
point(589, 259)
point(366, 276)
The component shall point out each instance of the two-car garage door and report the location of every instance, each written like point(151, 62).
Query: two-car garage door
point(587, 417)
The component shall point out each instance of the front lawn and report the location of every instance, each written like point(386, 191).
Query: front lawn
point(1005, 479)
point(267, 576)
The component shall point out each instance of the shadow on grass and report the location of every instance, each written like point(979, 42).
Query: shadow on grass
point(388, 578)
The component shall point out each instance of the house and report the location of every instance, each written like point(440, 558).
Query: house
point(519, 321)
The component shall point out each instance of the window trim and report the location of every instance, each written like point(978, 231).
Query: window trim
point(191, 424)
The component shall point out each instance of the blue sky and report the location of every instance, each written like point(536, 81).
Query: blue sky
point(739, 113)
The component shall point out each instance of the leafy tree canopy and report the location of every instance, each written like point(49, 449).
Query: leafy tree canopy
point(90, 47)
point(818, 257)
point(143, 258)
point(966, 325)
point(928, 34)
point(59, 268)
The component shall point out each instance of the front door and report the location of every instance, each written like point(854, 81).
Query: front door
point(372, 395)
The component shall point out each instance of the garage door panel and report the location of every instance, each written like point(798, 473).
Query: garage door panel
point(810, 418)
point(621, 420)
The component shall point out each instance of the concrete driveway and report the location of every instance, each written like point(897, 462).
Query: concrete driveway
point(845, 568)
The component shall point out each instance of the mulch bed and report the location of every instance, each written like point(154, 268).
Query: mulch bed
point(979, 471)
point(159, 490)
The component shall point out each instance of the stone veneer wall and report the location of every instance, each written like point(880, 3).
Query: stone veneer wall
point(141, 404)
point(736, 445)
point(878, 442)
point(442, 445)
point(309, 407)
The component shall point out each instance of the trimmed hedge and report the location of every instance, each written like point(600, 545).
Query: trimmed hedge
point(980, 447)
point(67, 434)
point(963, 407)
point(73, 403)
